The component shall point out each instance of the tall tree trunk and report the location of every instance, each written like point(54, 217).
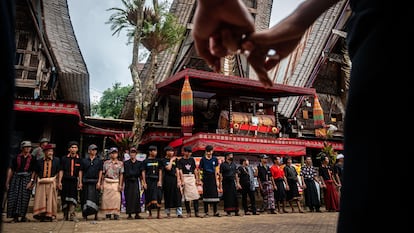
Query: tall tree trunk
point(148, 95)
point(134, 68)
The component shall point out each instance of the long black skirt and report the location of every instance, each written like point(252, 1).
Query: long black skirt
point(89, 197)
point(311, 194)
point(172, 194)
point(132, 196)
point(230, 195)
point(153, 194)
point(210, 193)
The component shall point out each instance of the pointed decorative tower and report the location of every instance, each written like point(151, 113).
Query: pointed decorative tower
point(187, 119)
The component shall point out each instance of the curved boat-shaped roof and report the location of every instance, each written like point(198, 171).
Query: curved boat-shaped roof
point(73, 74)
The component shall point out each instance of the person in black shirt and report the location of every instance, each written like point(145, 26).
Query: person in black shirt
point(207, 166)
point(69, 181)
point(152, 182)
point(266, 184)
point(90, 176)
point(246, 177)
point(132, 175)
point(18, 183)
point(171, 183)
point(45, 172)
point(230, 184)
point(190, 179)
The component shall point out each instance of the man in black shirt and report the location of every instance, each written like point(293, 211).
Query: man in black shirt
point(68, 181)
point(90, 176)
point(230, 184)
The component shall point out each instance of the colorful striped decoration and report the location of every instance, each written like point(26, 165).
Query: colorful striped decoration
point(187, 119)
point(318, 118)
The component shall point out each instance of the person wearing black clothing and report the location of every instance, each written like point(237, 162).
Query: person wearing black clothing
point(152, 181)
point(266, 184)
point(17, 183)
point(207, 166)
point(230, 184)
point(171, 183)
point(69, 181)
point(310, 180)
point(246, 179)
point(190, 179)
point(45, 175)
point(90, 175)
point(132, 175)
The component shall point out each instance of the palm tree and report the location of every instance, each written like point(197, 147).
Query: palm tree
point(157, 30)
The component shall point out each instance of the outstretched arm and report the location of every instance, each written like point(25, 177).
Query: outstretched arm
point(282, 38)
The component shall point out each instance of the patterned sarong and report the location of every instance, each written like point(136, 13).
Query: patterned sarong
point(111, 197)
point(18, 196)
point(268, 195)
point(89, 197)
point(45, 201)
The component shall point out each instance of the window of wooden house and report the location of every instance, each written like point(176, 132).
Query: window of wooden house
point(23, 38)
point(307, 114)
point(19, 59)
point(34, 60)
point(335, 117)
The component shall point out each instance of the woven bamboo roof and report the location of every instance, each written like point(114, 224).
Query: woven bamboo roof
point(73, 75)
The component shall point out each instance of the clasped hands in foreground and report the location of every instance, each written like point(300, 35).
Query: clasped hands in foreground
point(222, 28)
point(230, 29)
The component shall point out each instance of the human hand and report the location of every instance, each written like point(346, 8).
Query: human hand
point(265, 49)
point(282, 38)
point(219, 27)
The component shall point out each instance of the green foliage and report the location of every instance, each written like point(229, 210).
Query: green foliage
point(160, 29)
point(123, 140)
point(125, 19)
point(112, 101)
point(94, 109)
point(329, 151)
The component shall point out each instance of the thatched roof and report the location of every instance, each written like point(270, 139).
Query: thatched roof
point(73, 75)
point(302, 66)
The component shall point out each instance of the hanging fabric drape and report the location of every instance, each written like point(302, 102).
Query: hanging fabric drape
point(187, 119)
point(318, 118)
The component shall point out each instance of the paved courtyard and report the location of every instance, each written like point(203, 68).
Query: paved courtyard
point(325, 222)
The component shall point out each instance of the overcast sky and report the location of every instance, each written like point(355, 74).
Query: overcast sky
point(107, 57)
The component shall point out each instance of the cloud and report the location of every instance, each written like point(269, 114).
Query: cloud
point(107, 57)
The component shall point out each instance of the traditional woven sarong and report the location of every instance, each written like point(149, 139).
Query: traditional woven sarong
point(172, 194)
point(132, 196)
point(153, 194)
point(190, 188)
point(69, 193)
point(280, 192)
point(45, 201)
point(230, 195)
point(331, 197)
point(111, 197)
point(311, 194)
point(210, 193)
point(268, 195)
point(89, 197)
point(18, 196)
